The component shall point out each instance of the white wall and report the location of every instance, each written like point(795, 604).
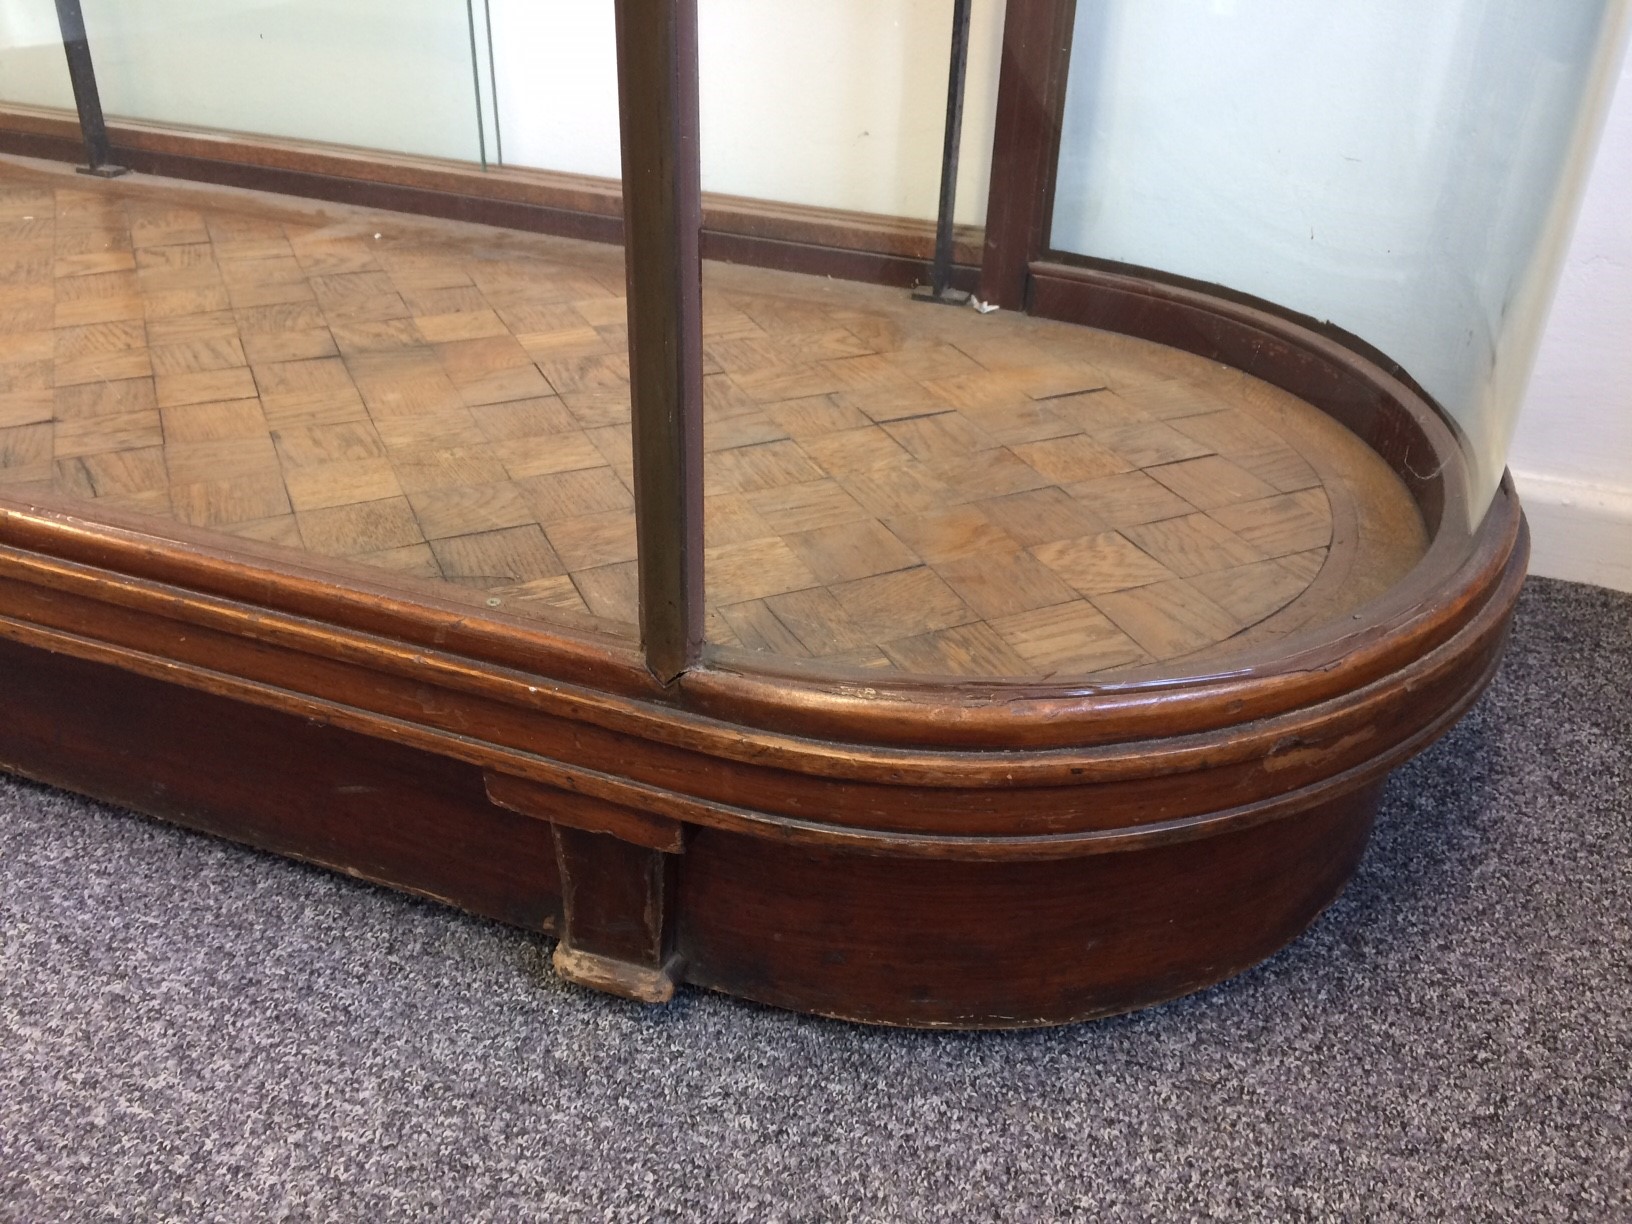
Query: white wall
point(1572, 455)
point(840, 103)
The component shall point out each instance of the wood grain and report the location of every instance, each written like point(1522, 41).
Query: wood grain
point(886, 486)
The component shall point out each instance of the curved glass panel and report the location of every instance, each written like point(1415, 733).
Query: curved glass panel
point(1405, 171)
point(395, 75)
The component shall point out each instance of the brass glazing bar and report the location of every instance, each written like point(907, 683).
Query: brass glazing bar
point(662, 210)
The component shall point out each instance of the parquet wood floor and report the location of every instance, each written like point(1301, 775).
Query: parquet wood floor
point(889, 485)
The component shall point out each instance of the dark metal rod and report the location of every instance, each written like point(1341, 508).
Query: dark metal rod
point(942, 272)
point(476, 85)
point(493, 83)
point(662, 219)
point(82, 75)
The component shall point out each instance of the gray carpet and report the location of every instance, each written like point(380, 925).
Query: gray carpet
point(192, 1031)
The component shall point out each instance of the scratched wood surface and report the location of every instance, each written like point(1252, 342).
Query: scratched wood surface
point(888, 484)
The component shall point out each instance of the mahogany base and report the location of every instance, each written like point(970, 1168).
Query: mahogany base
point(986, 931)
point(857, 935)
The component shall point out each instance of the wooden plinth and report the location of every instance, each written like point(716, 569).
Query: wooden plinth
point(924, 897)
point(1053, 671)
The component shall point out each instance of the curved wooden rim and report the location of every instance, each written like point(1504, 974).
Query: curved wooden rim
point(760, 709)
point(427, 644)
point(972, 806)
point(335, 593)
point(1448, 584)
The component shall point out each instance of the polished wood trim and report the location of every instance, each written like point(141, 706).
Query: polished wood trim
point(591, 815)
point(1172, 783)
point(318, 590)
point(930, 803)
point(1026, 146)
point(663, 216)
point(736, 229)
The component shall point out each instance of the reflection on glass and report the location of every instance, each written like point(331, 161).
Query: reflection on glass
point(1407, 171)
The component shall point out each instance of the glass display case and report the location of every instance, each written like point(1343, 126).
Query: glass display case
point(497, 450)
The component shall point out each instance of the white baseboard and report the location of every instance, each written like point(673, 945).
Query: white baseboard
point(1579, 532)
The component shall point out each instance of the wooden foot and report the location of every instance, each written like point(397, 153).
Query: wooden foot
point(616, 868)
point(641, 983)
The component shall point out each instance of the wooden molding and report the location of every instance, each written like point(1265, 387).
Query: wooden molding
point(736, 229)
point(588, 814)
point(1223, 749)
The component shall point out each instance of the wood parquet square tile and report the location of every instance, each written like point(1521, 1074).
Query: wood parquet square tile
point(887, 486)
